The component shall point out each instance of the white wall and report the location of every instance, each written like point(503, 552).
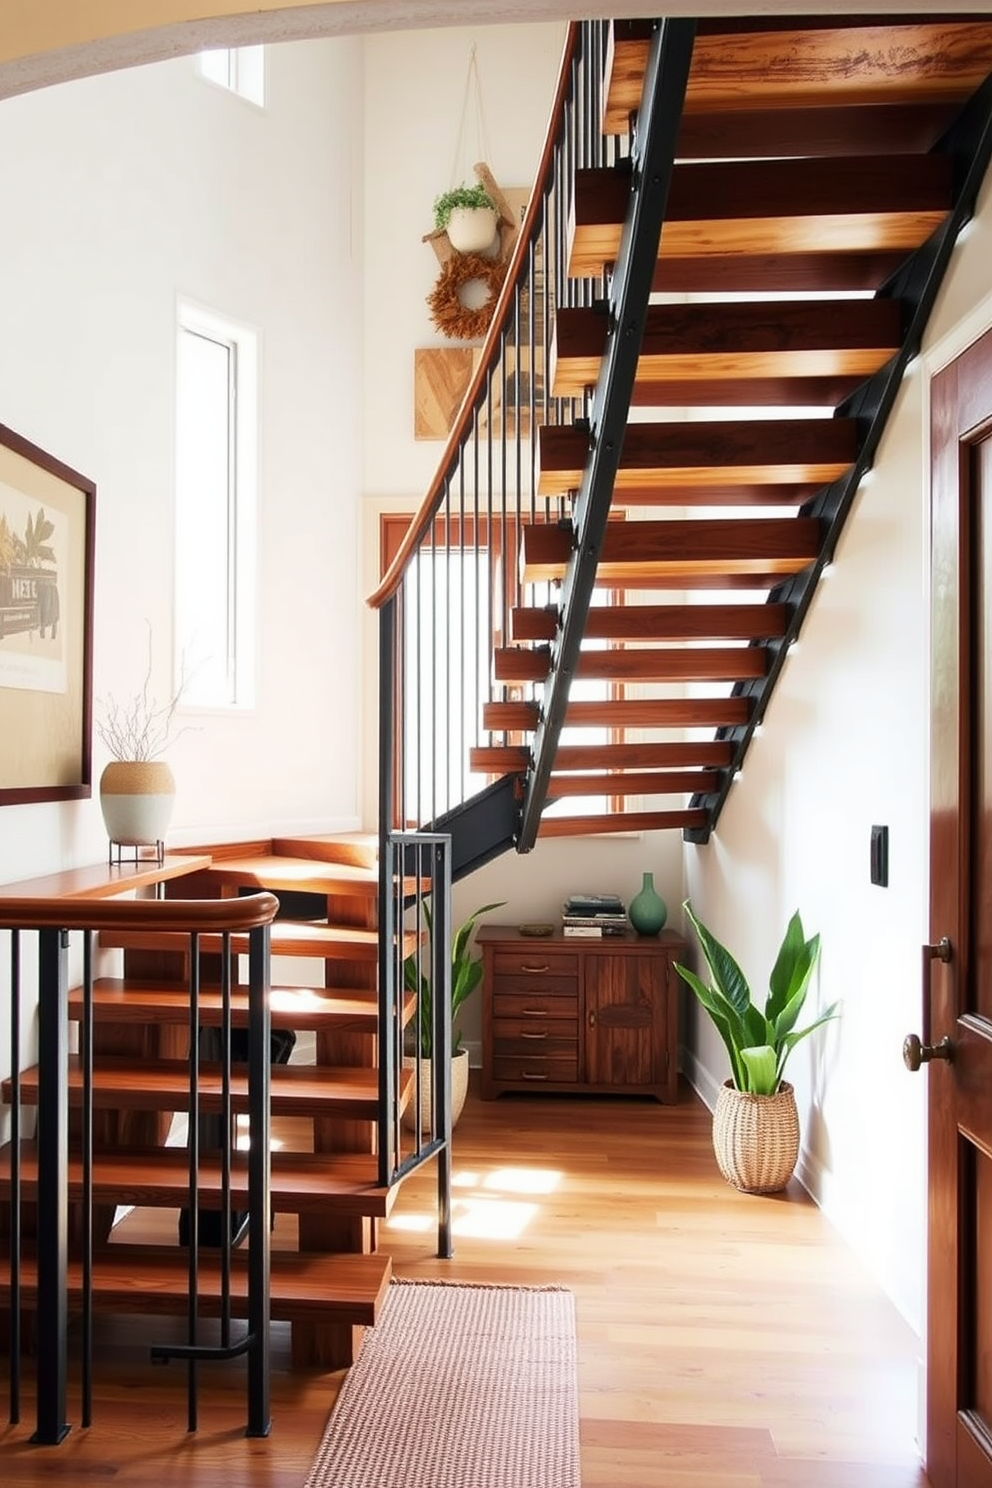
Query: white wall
point(119, 194)
point(845, 745)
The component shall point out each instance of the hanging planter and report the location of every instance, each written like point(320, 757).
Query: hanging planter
point(468, 215)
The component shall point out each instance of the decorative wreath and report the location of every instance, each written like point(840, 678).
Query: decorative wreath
point(451, 317)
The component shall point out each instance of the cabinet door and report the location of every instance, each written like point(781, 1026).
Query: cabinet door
point(625, 1022)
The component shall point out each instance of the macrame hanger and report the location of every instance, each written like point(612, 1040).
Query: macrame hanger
point(473, 92)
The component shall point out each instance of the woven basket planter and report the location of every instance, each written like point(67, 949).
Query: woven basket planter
point(756, 1138)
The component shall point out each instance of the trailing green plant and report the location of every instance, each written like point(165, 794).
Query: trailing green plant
point(460, 196)
point(466, 974)
point(758, 1042)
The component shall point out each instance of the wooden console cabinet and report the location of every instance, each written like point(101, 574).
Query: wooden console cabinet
point(579, 1015)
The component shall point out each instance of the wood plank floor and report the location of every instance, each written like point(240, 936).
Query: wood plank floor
point(724, 1341)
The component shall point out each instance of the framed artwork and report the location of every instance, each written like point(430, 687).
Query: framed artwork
point(47, 529)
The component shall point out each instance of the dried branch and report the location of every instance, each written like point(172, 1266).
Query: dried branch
point(141, 728)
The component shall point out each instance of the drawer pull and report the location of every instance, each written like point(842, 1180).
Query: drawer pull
point(533, 1012)
point(537, 1034)
point(528, 1076)
point(538, 969)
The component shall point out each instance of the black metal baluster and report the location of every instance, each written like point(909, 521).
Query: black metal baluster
point(227, 1138)
point(192, 1310)
point(86, 1216)
point(15, 1177)
point(53, 1206)
point(259, 1181)
point(441, 981)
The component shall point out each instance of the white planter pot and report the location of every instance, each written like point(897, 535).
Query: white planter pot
point(459, 1090)
point(136, 798)
point(471, 229)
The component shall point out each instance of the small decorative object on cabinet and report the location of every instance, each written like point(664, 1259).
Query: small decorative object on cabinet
point(755, 1124)
point(572, 1015)
point(648, 911)
point(466, 974)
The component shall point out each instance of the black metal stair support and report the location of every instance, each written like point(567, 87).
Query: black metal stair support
point(915, 284)
point(653, 155)
point(483, 827)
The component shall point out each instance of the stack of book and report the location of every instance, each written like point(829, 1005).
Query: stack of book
point(593, 915)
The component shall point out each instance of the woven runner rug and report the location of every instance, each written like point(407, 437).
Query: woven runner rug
point(459, 1387)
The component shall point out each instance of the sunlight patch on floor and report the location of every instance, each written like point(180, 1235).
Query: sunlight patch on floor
point(478, 1208)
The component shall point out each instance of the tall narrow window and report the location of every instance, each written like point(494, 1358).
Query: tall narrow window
point(240, 69)
point(216, 464)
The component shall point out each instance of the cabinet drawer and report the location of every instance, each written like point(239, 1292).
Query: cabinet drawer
point(536, 963)
point(537, 1005)
point(556, 1037)
point(559, 1070)
point(535, 984)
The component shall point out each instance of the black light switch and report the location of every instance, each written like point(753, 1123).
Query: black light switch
point(880, 856)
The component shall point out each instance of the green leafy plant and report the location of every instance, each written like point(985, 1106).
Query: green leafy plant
point(758, 1042)
point(466, 974)
point(460, 196)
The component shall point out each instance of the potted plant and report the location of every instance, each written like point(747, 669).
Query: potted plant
point(468, 215)
point(466, 974)
point(137, 788)
point(755, 1124)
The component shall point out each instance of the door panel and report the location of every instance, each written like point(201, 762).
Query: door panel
point(959, 1347)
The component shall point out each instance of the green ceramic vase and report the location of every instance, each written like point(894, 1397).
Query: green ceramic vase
point(648, 911)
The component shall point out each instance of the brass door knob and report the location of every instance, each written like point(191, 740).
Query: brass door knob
point(915, 1053)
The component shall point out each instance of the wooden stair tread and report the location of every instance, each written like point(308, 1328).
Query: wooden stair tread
point(903, 61)
point(638, 554)
point(667, 622)
point(146, 1279)
point(104, 881)
point(638, 664)
point(669, 754)
point(734, 340)
point(622, 821)
point(865, 204)
point(815, 271)
point(289, 938)
point(299, 874)
point(302, 1182)
point(163, 1085)
point(707, 459)
point(635, 783)
point(619, 713)
point(359, 849)
point(821, 130)
point(123, 1000)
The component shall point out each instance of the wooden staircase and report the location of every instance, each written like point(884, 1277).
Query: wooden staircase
point(822, 169)
point(326, 1189)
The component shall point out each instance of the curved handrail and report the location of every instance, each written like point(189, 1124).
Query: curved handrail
point(207, 916)
point(433, 500)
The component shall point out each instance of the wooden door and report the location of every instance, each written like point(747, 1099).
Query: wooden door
point(959, 971)
point(625, 1020)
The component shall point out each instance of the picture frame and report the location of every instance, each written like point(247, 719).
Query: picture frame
point(47, 544)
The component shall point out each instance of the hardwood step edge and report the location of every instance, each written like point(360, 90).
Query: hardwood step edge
point(305, 1287)
point(158, 1178)
point(130, 1000)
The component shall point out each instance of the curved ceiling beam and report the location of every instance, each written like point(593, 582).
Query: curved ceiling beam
point(41, 44)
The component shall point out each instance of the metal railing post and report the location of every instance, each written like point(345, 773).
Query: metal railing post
point(53, 1201)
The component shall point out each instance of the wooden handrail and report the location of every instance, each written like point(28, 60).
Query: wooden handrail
point(206, 916)
point(420, 527)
